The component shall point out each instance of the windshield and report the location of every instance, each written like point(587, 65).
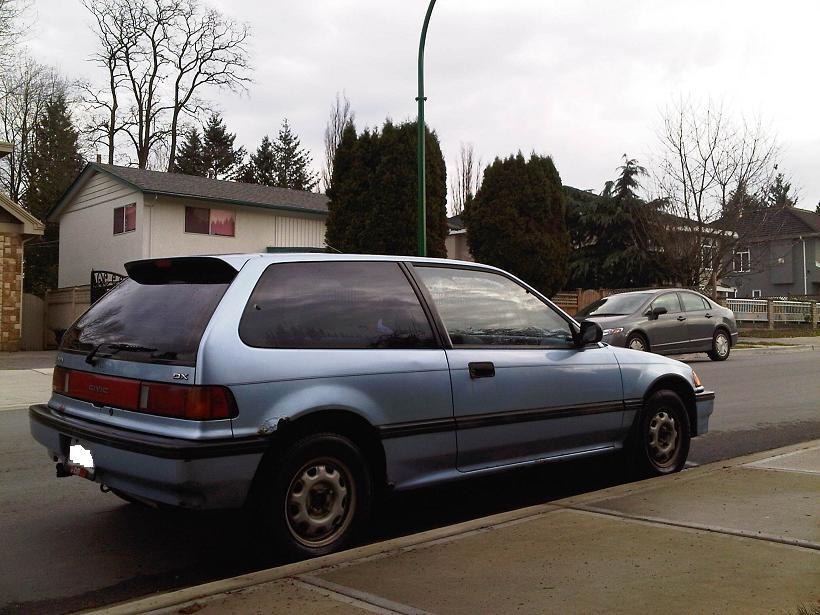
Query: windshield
point(151, 323)
point(616, 305)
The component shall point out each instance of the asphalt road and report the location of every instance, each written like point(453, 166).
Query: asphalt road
point(65, 546)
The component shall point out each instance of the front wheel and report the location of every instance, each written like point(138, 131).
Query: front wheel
point(659, 443)
point(315, 498)
point(636, 341)
point(721, 346)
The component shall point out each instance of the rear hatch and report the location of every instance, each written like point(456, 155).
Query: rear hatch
point(130, 360)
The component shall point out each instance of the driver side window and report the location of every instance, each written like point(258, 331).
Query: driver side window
point(482, 308)
point(668, 300)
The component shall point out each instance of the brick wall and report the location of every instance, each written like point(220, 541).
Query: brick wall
point(11, 290)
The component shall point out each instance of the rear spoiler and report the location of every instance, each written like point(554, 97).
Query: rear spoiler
point(182, 270)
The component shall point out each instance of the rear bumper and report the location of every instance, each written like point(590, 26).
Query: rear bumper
point(185, 473)
point(704, 406)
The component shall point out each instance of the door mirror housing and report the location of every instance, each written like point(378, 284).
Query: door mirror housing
point(657, 311)
point(591, 333)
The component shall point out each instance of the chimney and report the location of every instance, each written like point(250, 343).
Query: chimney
point(99, 158)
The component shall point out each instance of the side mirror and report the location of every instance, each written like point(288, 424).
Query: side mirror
point(591, 333)
point(657, 311)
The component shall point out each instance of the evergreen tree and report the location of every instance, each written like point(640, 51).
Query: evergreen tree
point(220, 158)
point(777, 194)
point(190, 158)
point(292, 162)
point(374, 197)
point(262, 166)
point(612, 236)
point(517, 221)
point(53, 164)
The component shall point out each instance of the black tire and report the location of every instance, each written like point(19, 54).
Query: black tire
point(660, 438)
point(721, 346)
point(314, 498)
point(637, 341)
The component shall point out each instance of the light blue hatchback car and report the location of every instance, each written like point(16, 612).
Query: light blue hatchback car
point(304, 385)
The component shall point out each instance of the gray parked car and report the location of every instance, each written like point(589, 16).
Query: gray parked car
point(304, 385)
point(665, 321)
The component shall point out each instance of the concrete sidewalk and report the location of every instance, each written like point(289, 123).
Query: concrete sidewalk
point(732, 537)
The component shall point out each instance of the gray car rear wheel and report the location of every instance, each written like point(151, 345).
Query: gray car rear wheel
point(721, 346)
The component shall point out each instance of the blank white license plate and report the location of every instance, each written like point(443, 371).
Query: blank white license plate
point(81, 456)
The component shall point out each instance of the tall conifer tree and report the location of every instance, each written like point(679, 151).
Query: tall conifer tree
point(292, 162)
point(190, 158)
point(374, 195)
point(53, 164)
point(221, 159)
point(517, 221)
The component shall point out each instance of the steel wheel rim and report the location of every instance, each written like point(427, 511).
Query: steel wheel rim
point(663, 438)
point(636, 343)
point(320, 502)
point(722, 345)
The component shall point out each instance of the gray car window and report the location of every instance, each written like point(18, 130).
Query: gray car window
point(335, 305)
point(693, 303)
point(483, 308)
point(669, 301)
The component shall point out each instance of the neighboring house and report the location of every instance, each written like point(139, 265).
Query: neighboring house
point(777, 254)
point(456, 241)
point(111, 215)
point(16, 227)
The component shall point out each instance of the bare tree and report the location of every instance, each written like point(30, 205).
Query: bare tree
point(706, 159)
point(12, 25)
point(341, 116)
point(24, 91)
point(466, 181)
point(208, 50)
point(158, 55)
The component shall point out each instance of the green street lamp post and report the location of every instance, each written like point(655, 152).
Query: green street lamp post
point(421, 160)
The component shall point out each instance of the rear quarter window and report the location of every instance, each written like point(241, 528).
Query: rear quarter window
point(335, 305)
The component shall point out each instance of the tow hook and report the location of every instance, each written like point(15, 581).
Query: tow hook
point(69, 469)
point(104, 488)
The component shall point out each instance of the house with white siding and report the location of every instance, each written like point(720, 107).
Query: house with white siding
point(111, 215)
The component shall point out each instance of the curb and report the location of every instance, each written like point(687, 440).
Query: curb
point(397, 545)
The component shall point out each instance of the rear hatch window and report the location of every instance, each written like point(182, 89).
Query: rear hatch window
point(158, 315)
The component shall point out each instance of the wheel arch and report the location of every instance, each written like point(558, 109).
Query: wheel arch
point(679, 386)
point(342, 422)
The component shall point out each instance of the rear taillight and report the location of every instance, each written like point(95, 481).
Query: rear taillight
point(197, 403)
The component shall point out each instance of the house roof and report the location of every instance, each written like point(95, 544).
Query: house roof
point(455, 223)
point(202, 188)
point(777, 223)
point(31, 225)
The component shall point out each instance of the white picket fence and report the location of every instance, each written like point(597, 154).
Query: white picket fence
point(758, 310)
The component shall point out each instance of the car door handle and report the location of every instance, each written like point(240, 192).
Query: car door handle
point(708, 315)
point(484, 369)
point(681, 318)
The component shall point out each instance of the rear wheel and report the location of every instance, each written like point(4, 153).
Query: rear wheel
point(314, 498)
point(637, 341)
point(721, 346)
point(659, 443)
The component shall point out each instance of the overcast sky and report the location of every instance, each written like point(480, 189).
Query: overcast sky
point(582, 81)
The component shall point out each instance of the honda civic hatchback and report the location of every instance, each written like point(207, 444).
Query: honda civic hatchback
point(303, 386)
